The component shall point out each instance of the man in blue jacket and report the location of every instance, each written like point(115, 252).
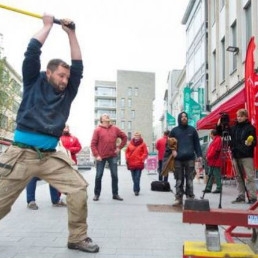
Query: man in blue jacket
point(41, 118)
point(188, 150)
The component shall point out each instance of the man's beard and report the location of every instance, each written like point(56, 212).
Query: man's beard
point(56, 86)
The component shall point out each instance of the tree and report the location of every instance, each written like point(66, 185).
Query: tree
point(10, 97)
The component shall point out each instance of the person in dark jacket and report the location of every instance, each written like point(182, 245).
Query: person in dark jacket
point(242, 144)
point(213, 157)
point(41, 118)
point(188, 150)
point(135, 155)
point(106, 143)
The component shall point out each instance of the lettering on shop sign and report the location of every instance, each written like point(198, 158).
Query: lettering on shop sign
point(252, 220)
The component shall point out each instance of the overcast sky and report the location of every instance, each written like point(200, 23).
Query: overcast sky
point(137, 35)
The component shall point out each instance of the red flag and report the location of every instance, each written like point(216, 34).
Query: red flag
point(249, 79)
point(251, 91)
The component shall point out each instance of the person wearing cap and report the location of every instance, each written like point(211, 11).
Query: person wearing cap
point(106, 143)
point(135, 155)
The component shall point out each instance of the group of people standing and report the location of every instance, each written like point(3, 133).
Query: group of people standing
point(41, 119)
point(239, 141)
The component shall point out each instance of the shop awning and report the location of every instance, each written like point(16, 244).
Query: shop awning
point(230, 107)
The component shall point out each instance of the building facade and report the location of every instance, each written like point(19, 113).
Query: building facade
point(105, 100)
point(129, 102)
point(135, 96)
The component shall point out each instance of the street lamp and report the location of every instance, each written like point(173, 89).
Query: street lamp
point(232, 49)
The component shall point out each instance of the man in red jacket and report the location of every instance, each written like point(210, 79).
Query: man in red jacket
point(161, 147)
point(70, 143)
point(106, 143)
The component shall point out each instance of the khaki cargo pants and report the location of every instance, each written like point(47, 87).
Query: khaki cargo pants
point(18, 166)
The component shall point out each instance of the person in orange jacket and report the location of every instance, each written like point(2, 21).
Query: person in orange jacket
point(135, 154)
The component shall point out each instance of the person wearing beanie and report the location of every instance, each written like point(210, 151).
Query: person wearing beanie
point(188, 151)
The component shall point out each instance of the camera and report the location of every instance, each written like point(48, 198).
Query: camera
point(224, 120)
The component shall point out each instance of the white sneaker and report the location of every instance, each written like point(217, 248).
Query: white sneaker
point(178, 202)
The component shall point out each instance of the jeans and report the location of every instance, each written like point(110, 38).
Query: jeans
point(161, 178)
point(184, 171)
point(136, 176)
point(31, 189)
point(100, 165)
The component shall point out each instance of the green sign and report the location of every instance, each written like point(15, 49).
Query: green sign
point(170, 120)
point(191, 107)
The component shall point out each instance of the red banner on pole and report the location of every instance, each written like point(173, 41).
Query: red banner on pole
point(251, 85)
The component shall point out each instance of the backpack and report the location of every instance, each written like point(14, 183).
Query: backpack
point(160, 186)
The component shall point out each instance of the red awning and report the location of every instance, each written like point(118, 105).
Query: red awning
point(230, 107)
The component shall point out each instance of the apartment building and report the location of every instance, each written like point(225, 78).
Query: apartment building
point(135, 96)
point(105, 100)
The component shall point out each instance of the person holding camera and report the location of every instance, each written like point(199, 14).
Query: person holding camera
point(242, 144)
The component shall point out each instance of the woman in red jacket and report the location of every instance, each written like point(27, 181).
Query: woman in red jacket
point(135, 155)
point(213, 158)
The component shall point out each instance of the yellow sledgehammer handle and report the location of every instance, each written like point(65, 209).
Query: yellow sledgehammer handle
point(71, 25)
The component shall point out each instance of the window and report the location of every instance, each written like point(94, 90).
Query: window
point(233, 43)
point(129, 103)
point(129, 91)
point(129, 125)
point(122, 102)
point(248, 23)
point(122, 125)
point(105, 91)
point(222, 60)
point(222, 4)
point(122, 113)
point(136, 92)
point(213, 67)
point(110, 103)
point(133, 114)
point(213, 10)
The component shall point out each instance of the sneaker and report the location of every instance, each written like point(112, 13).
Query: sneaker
point(206, 191)
point(117, 197)
point(32, 205)
point(59, 204)
point(178, 202)
point(239, 199)
point(85, 245)
point(96, 198)
point(136, 193)
point(216, 191)
point(190, 197)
